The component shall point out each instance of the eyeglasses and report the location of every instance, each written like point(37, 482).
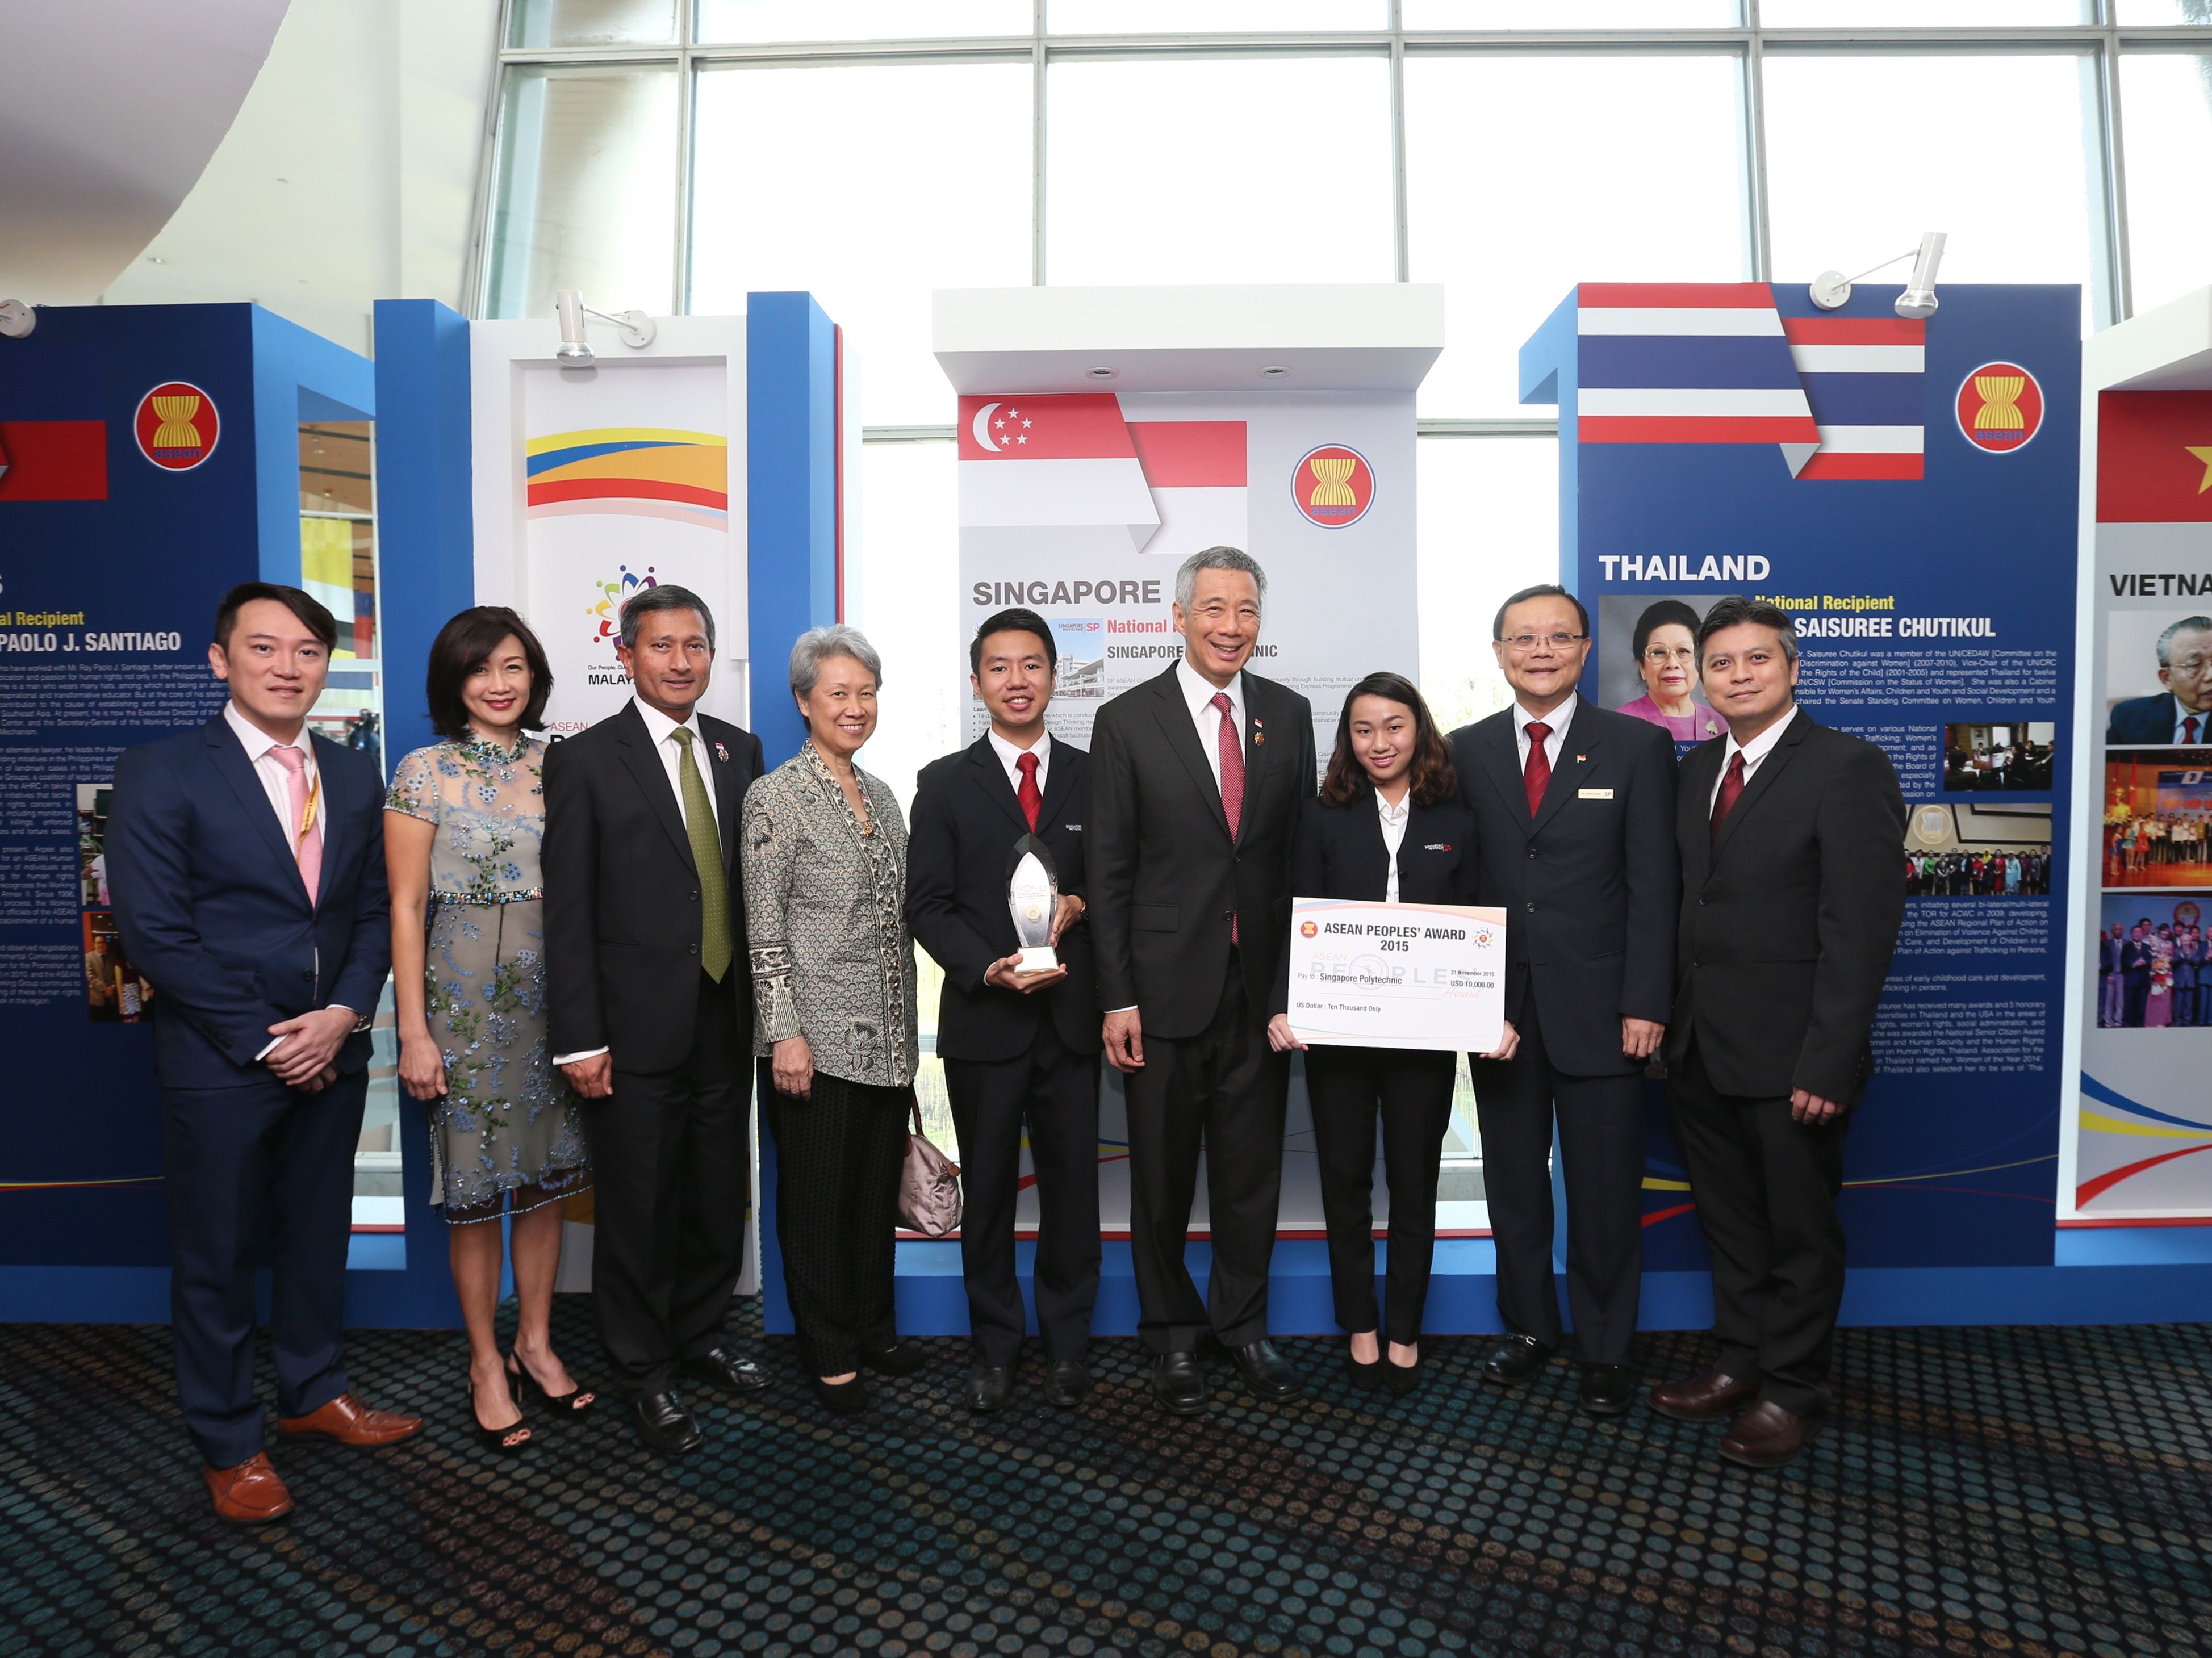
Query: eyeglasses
point(1529, 641)
point(1659, 656)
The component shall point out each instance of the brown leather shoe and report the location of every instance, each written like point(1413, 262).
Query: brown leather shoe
point(352, 1424)
point(1766, 1436)
point(250, 1494)
point(1707, 1398)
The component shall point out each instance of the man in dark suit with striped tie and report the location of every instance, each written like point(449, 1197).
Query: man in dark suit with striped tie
point(1791, 837)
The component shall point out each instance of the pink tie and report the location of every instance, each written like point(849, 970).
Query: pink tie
point(1232, 776)
point(308, 847)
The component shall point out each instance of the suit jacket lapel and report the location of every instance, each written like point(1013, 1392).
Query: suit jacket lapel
point(1580, 741)
point(237, 771)
point(640, 754)
point(729, 795)
point(1501, 762)
point(990, 777)
point(1696, 784)
point(1173, 715)
point(1255, 755)
point(1761, 780)
point(330, 814)
point(1061, 779)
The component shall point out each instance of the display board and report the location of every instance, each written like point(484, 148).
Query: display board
point(1081, 505)
point(2145, 1017)
point(1906, 490)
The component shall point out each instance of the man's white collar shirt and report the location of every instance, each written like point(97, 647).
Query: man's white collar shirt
point(661, 729)
point(275, 781)
point(1395, 819)
point(1752, 752)
point(1557, 722)
point(1010, 758)
point(1199, 693)
point(2183, 721)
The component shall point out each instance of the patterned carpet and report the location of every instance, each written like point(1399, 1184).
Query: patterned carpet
point(1992, 1490)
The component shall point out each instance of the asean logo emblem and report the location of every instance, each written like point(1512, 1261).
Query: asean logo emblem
point(1308, 929)
point(176, 426)
point(1333, 486)
point(1931, 825)
point(2000, 407)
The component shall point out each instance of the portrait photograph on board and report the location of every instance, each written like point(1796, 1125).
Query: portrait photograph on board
point(1998, 756)
point(1647, 662)
point(1980, 850)
point(2157, 677)
point(2158, 818)
point(2153, 969)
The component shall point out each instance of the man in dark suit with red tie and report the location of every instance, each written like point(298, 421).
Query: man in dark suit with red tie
point(1197, 778)
point(1791, 838)
point(1019, 1048)
point(1574, 810)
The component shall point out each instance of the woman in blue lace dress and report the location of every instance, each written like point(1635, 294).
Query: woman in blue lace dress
point(462, 830)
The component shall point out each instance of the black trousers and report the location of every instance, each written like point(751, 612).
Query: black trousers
point(236, 1159)
point(1765, 1189)
point(838, 1157)
point(1221, 1091)
point(1411, 1091)
point(672, 1157)
point(1600, 1129)
point(1056, 1093)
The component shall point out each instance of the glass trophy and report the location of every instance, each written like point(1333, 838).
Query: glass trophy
point(1033, 896)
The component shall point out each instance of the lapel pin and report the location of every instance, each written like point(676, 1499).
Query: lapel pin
point(720, 753)
point(1580, 758)
point(1259, 737)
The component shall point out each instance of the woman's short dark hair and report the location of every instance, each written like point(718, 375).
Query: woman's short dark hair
point(465, 644)
point(311, 610)
point(1668, 612)
point(1433, 779)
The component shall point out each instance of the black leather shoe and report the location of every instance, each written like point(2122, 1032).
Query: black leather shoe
point(1266, 1372)
point(1607, 1389)
point(904, 1359)
point(987, 1387)
point(731, 1372)
point(664, 1424)
point(840, 1398)
point(1516, 1358)
point(1065, 1382)
point(1179, 1384)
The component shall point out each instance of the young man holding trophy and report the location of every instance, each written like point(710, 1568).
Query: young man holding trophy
point(994, 879)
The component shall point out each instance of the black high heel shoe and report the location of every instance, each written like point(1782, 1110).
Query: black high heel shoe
point(1368, 1375)
point(566, 1407)
point(498, 1440)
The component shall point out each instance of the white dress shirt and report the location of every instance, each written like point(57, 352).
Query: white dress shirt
point(2182, 716)
point(1200, 692)
point(1752, 752)
point(1011, 757)
point(1395, 819)
point(277, 784)
point(1557, 721)
point(662, 728)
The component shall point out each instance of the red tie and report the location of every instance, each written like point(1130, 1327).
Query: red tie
point(1233, 777)
point(2189, 729)
point(1027, 792)
point(1731, 787)
point(1538, 773)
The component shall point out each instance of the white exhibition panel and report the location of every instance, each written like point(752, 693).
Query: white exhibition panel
point(593, 482)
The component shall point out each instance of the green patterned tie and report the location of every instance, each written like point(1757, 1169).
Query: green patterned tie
point(706, 853)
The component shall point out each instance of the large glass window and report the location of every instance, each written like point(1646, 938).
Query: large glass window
point(1621, 167)
point(2165, 105)
point(869, 227)
point(590, 23)
point(1842, 202)
point(859, 20)
point(1219, 170)
point(1489, 526)
point(586, 191)
point(1213, 16)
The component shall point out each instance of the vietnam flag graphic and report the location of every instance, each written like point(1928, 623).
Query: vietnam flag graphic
point(53, 460)
point(2154, 457)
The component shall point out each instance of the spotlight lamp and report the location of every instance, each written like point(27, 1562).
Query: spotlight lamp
point(18, 319)
point(1832, 289)
point(574, 350)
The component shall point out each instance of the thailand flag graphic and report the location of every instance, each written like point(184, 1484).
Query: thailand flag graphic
point(1073, 464)
point(1715, 362)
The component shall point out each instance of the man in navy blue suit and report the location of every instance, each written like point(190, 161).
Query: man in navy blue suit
point(247, 862)
point(2182, 712)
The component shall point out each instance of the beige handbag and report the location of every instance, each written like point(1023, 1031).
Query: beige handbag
point(929, 1186)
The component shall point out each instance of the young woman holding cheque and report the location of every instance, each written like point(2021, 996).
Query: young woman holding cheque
point(1387, 826)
